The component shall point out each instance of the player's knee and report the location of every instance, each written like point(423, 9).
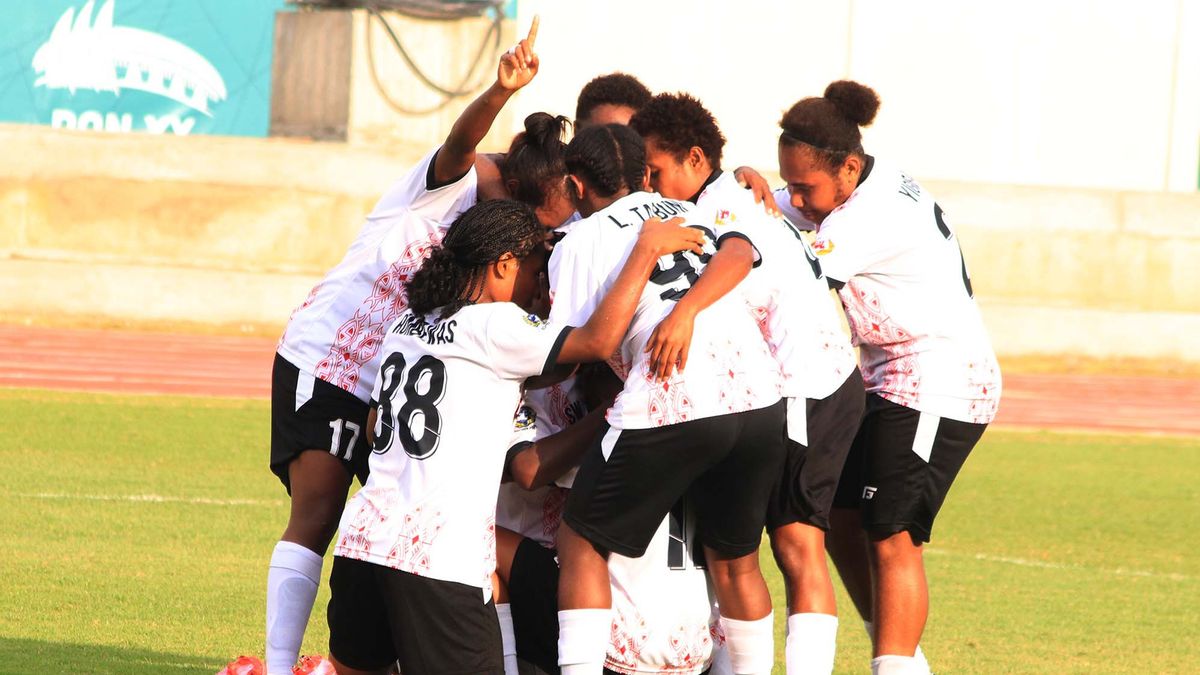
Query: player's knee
point(896, 549)
point(797, 548)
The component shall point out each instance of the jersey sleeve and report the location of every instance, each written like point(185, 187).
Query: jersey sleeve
point(575, 289)
point(846, 248)
point(416, 192)
point(521, 345)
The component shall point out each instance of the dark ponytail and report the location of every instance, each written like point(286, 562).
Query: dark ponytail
point(453, 274)
point(608, 158)
point(830, 124)
point(535, 159)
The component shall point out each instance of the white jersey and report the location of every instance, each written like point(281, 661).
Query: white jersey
point(787, 293)
point(908, 299)
point(335, 335)
point(729, 368)
point(447, 392)
point(663, 618)
point(536, 514)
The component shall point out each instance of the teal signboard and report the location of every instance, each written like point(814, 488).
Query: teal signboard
point(138, 66)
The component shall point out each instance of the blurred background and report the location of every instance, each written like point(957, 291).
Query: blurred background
point(199, 165)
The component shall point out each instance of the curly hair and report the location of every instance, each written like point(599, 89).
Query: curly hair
point(612, 89)
point(535, 158)
point(679, 122)
point(453, 274)
point(608, 158)
point(830, 123)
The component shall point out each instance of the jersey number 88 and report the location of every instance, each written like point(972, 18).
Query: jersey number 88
point(424, 385)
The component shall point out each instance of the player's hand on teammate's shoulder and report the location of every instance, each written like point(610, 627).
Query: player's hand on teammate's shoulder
point(519, 65)
point(758, 186)
point(667, 237)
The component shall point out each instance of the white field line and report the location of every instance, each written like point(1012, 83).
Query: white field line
point(1042, 564)
point(157, 499)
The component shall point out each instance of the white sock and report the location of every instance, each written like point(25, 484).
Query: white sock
point(291, 591)
point(583, 636)
point(811, 643)
point(508, 637)
point(751, 644)
point(918, 654)
point(919, 657)
point(891, 664)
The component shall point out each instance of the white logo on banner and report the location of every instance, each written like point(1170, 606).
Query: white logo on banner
point(82, 54)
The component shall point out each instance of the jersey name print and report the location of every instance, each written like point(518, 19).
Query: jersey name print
point(583, 268)
point(336, 334)
point(909, 300)
point(787, 293)
point(446, 396)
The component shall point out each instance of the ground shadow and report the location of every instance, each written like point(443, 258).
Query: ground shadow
point(22, 657)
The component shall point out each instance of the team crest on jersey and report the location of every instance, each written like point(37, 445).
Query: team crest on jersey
point(525, 418)
point(535, 321)
point(726, 217)
point(822, 247)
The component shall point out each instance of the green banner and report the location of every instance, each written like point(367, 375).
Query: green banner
point(138, 66)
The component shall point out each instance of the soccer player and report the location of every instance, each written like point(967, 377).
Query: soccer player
point(713, 431)
point(788, 294)
point(329, 355)
point(615, 98)
point(412, 577)
point(932, 379)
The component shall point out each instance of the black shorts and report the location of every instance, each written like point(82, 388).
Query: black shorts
point(727, 465)
point(819, 435)
point(328, 418)
point(901, 466)
point(379, 615)
point(533, 595)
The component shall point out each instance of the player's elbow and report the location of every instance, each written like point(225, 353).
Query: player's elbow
point(524, 468)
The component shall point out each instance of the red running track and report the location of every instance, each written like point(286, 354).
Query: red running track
point(156, 363)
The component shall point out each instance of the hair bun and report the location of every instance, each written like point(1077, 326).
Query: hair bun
point(542, 128)
point(856, 102)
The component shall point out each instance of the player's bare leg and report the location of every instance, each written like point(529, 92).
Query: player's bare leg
point(799, 550)
point(800, 553)
point(319, 485)
point(584, 604)
point(745, 604)
point(902, 596)
point(848, 547)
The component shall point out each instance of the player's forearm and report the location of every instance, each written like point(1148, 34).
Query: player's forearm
point(458, 152)
point(721, 275)
point(551, 457)
point(601, 335)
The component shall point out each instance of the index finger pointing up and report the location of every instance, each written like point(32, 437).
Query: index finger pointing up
point(533, 29)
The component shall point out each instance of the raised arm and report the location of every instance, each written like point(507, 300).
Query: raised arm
point(672, 337)
point(517, 68)
point(601, 335)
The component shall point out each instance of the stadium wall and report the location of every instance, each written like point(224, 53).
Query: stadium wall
point(102, 228)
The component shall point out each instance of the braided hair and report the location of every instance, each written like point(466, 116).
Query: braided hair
point(608, 158)
point(453, 274)
point(829, 124)
point(535, 159)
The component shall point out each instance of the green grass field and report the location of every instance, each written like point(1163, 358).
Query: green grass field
point(136, 531)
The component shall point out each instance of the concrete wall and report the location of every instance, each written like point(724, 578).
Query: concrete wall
point(221, 230)
point(1102, 94)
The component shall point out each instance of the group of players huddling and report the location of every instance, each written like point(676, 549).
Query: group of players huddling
point(680, 380)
